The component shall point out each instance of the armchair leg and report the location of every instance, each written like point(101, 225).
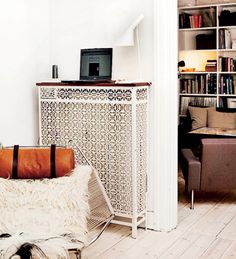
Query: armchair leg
point(192, 200)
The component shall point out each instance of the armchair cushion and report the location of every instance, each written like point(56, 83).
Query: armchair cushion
point(215, 170)
point(218, 164)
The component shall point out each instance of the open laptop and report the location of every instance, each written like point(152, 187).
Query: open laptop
point(95, 66)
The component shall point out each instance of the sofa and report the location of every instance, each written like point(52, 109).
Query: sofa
point(213, 170)
point(204, 117)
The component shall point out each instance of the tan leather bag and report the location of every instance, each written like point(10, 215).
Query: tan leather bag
point(35, 163)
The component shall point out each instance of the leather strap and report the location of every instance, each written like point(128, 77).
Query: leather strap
point(53, 161)
point(15, 162)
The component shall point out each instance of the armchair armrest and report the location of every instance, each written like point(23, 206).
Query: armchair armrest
point(191, 167)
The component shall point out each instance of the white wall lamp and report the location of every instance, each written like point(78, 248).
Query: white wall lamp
point(128, 39)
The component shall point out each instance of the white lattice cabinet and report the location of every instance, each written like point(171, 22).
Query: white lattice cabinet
point(109, 123)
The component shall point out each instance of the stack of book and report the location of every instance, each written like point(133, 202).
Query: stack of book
point(227, 64)
point(224, 39)
point(190, 21)
point(227, 85)
point(211, 65)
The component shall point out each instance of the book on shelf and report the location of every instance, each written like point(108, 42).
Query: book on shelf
point(224, 39)
point(227, 64)
point(211, 61)
point(227, 39)
point(210, 68)
point(187, 21)
point(221, 39)
point(211, 83)
point(227, 103)
point(184, 20)
point(227, 85)
point(199, 84)
point(209, 17)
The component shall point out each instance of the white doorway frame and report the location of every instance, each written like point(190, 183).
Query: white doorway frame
point(164, 117)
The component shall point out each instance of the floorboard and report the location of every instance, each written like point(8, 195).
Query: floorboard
point(208, 231)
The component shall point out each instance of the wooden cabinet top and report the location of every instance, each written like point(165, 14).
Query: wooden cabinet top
point(108, 84)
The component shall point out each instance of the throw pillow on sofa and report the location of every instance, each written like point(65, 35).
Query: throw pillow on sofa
point(199, 116)
point(221, 119)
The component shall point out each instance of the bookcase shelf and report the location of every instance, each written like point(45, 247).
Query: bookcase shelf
point(227, 73)
point(200, 50)
point(198, 29)
point(227, 95)
point(227, 27)
point(206, 38)
point(197, 7)
point(226, 50)
point(197, 73)
point(201, 95)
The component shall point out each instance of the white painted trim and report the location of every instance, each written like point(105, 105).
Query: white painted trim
point(164, 116)
point(134, 165)
point(40, 119)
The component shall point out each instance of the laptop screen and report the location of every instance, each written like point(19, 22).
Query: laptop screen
point(96, 64)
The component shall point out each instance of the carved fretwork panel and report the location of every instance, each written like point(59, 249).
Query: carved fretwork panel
point(107, 124)
point(141, 135)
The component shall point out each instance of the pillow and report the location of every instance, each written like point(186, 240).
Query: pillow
point(199, 116)
point(48, 207)
point(221, 120)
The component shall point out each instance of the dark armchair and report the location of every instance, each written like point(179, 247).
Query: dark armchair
point(214, 170)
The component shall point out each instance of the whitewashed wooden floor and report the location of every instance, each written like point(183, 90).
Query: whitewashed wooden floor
point(208, 231)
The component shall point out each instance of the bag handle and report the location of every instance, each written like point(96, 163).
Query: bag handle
point(53, 160)
point(15, 161)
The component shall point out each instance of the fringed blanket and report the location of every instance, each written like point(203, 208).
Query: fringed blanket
point(43, 217)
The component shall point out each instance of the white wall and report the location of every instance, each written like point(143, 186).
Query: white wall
point(35, 36)
point(38, 34)
point(24, 52)
point(89, 24)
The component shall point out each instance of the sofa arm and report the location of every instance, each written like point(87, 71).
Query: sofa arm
point(191, 167)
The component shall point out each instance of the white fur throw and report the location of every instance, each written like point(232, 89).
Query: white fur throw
point(49, 209)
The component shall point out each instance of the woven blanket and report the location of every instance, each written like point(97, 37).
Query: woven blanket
point(44, 216)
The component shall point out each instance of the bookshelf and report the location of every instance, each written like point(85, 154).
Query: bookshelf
point(207, 44)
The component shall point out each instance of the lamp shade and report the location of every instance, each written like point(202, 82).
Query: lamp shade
point(127, 38)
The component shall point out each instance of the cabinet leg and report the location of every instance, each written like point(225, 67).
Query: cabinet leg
point(134, 230)
point(192, 200)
